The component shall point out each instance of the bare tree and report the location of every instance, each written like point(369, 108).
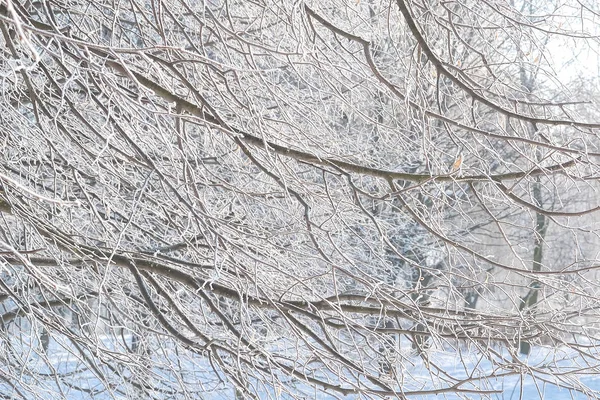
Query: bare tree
point(300, 199)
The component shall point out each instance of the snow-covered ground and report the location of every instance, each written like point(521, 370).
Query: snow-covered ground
point(509, 383)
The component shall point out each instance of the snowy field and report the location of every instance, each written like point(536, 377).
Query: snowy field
point(79, 383)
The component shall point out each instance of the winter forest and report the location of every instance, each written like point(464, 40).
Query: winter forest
point(288, 199)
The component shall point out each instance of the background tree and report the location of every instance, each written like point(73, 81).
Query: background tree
point(294, 199)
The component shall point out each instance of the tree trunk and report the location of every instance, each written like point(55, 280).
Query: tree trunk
point(530, 299)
